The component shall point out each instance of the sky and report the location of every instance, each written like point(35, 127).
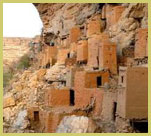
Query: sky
point(21, 20)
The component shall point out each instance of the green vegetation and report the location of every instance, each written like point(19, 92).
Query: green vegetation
point(7, 76)
point(24, 62)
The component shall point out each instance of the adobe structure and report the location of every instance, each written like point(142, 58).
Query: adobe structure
point(94, 62)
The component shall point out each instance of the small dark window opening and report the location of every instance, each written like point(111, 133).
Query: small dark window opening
point(114, 110)
point(52, 43)
point(97, 60)
point(72, 98)
point(95, 68)
point(49, 82)
point(48, 65)
point(99, 81)
point(68, 55)
point(140, 126)
point(122, 79)
point(63, 83)
point(36, 115)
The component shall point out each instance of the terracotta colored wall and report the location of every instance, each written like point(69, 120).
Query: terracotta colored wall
point(82, 50)
point(55, 97)
point(49, 120)
point(62, 55)
point(107, 56)
point(48, 55)
point(82, 97)
point(94, 25)
point(141, 46)
point(108, 105)
point(85, 90)
point(51, 123)
point(137, 84)
point(133, 99)
point(91, 79)
point(93, 49)
point(74, 34)
point(31, 112)
point(98, 94)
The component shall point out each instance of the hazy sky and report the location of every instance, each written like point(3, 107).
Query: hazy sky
point(20, 20)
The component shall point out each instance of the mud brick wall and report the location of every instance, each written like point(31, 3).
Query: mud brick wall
point(141, 46)
point(43, 56)
point(82, 50)
point(82, 98)
point(97, 94)
point(108, 105)
point(107, 56)
point(31, 114)
point(52, 51)
point(62, 55)
point(85, 79)
point(74, 34)
point(52, 54)
point(86, 89)
point(122, 76)
point(91, 79)
point(112, 14)
point(71, 77)
point(93, 49)
point(48, 121)
point(95, 26)
point(51, 123)
point(134, 106)
point(137, 82)
point(79, 79)
point(87, 96)
point(81, 95)
point(54, 97)
point(48, 55)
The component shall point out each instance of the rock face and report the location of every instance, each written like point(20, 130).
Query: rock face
point(14, 49)
point(75, 124)
point(25, 92)
point(21, 121)
point(121, 21)
point(58, 19)
point(124, 32)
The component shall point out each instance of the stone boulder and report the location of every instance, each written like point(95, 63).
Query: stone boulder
point(76, 124)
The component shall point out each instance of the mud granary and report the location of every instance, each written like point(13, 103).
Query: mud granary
point(101, 50)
